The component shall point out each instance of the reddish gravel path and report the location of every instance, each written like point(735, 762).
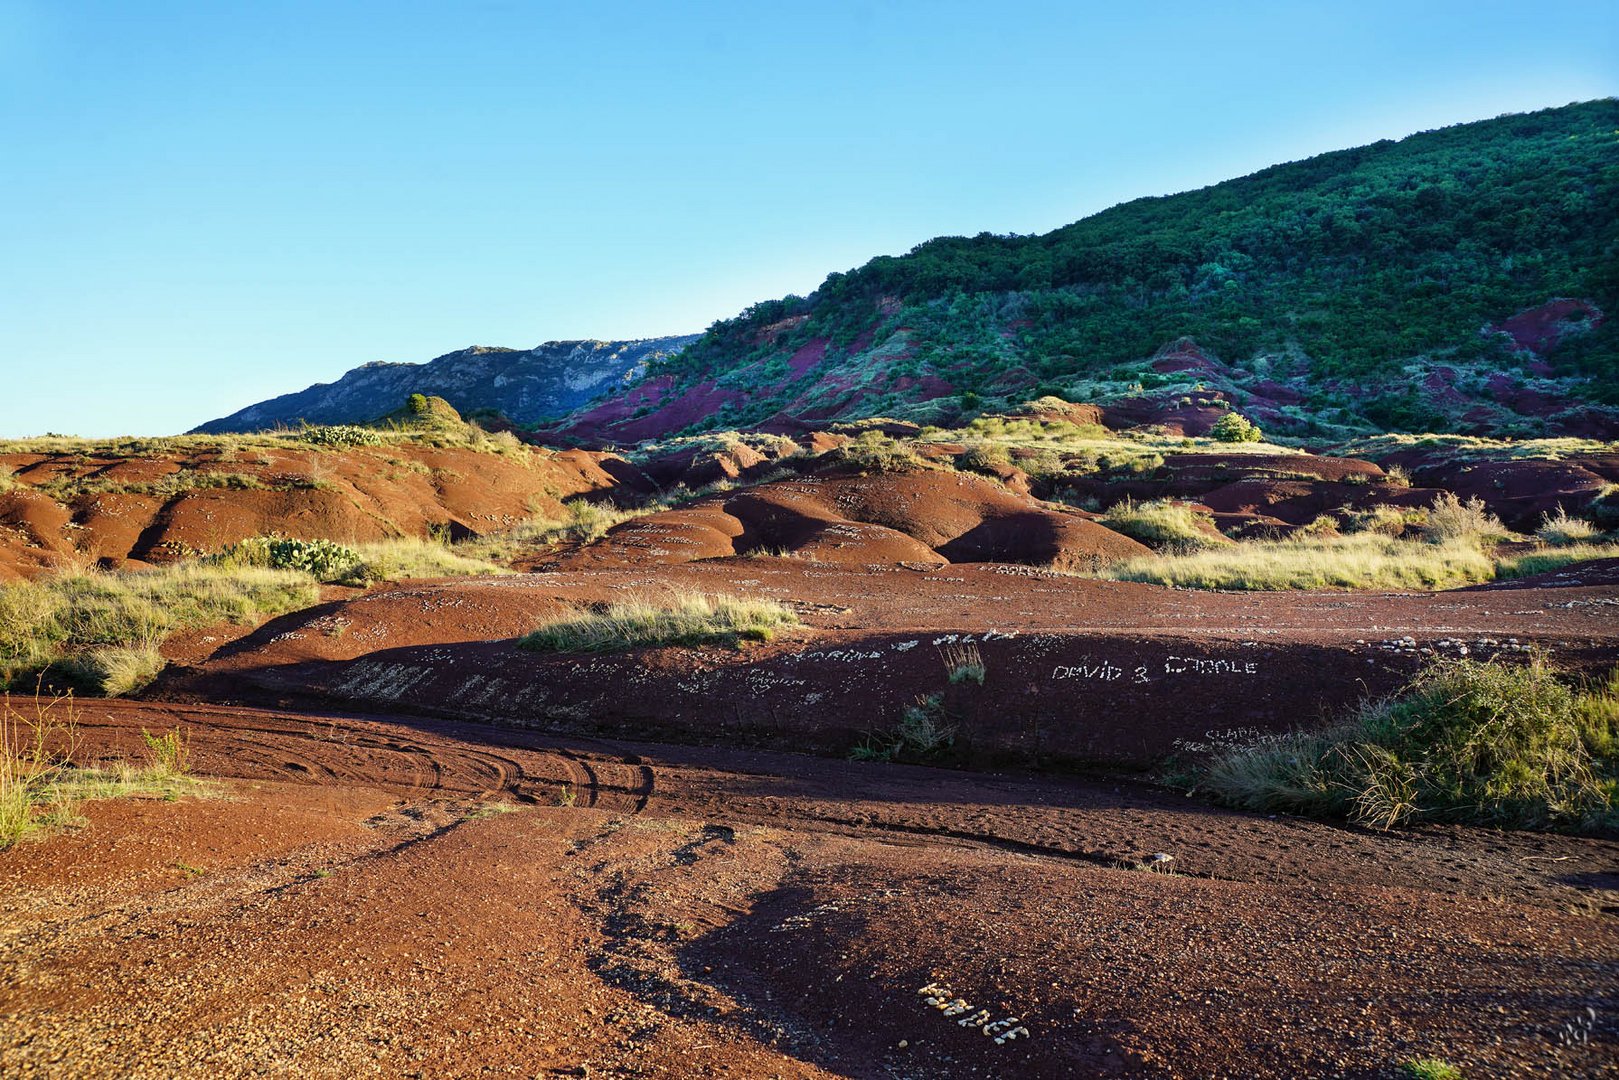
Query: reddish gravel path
point(353, 904)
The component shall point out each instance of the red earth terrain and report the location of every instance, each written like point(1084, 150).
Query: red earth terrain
point(353, 898)
point(429, 852)
point(118, 509)
point(1076, 671)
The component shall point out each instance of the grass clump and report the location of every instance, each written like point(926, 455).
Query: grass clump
point(41, 788)
point(1359, 561)
point(872, 451)
point(1450, 519)
point(101, 630)
point(584, 523)
point(677, 619)
point(392, 560)
point(1561, 530)
point(1164, 523)
point(924, 731)
point(1478, 741)
point(1396, 521)
point(1430, 1069)
point(963, 663)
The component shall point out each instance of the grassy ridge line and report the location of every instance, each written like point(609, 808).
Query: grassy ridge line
point(1358, 561)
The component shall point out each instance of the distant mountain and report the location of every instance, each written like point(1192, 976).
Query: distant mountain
point(527, 387)
point(1456, 280)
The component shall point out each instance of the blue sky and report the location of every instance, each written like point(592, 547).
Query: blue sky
point(208, 204)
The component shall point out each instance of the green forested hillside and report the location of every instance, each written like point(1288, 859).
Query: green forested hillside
point(1347, 264)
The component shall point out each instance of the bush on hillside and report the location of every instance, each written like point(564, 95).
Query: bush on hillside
point(340, 436)
point(322, 560)
point(1235, 428)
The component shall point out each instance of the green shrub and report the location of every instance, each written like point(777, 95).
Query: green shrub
point(924, 731)
point(322, 560)
point(1234, 427)
point(1468, 740)
point(340, 435)
point(1430, 1069)
point(677, 619)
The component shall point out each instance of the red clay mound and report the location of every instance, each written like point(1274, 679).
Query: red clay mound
point(1051, 408)
point(33, 534)
point(422, 613)
point(1520, 493)
point(1199, 475)
point(927, 516)
point(116, 509)
point(700, 531)
point(696, 467)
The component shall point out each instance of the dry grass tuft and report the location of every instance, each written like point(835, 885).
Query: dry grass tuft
point(1479, 741)
point(1165, 524)
point(41, 789)
point(1359, 561)
point(1561, 530)
point(103, 629)
point(680, 618)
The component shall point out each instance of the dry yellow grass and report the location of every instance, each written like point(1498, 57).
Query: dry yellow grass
point(679, 618)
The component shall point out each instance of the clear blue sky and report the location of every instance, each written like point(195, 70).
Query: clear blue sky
point(208, 204)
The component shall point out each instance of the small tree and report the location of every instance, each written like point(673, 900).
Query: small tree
point(1234, 427)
